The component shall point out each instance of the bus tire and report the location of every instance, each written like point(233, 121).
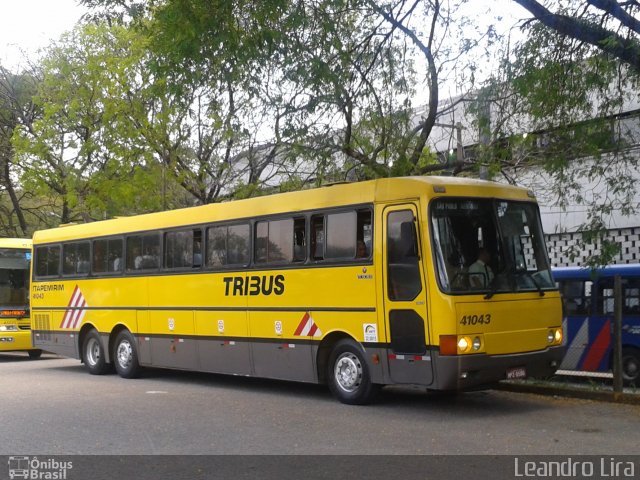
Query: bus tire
point(34, 354)
point(348, 374)
point(631, 365)
point(93, 355)
point(125, 355)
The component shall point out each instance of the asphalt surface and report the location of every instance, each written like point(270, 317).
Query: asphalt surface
point(52, 406)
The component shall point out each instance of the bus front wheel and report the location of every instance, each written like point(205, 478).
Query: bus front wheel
point(348, 374)
point(631, 365)
point(125, 355)
point(93, 354)
point(34, 354)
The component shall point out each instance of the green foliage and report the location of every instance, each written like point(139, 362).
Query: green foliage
point(568, 96)
point(79, 149)
point(326, 73)
point(195, 101)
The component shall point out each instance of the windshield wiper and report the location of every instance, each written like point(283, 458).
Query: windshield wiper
point(493, 288)
point(535, 282)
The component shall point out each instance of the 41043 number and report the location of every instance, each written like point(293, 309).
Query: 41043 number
point(483, 319)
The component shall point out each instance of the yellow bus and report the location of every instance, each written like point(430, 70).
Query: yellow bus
point(354, 285)
point(15, 326)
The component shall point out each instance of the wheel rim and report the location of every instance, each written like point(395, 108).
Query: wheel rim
point(348, 372)
point(124, 354)
point(630, 368)
point(93, 351)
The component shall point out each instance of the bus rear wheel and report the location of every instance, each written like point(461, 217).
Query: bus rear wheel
point(93, 354)
point(631, 366)
point(125, 355)
point(348, 374)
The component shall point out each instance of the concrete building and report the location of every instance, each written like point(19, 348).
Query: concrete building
point(457, 137)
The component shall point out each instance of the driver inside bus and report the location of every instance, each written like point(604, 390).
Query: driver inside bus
point(480, 273)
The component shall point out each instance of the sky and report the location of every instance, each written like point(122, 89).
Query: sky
point(28, 25)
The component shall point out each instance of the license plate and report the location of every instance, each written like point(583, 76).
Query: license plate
point(517, 372)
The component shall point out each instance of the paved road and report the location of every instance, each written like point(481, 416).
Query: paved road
point(52, 406)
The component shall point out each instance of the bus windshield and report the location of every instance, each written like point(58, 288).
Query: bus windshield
point(492, 246)
point(14, 277)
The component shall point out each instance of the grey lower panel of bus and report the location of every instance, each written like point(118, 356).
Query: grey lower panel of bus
point(261, 358)
point(64, 344)
point(277, 360)
point(298, 361)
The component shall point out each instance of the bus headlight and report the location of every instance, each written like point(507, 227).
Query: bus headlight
point(464, 344)
point(558, 335)
point(554, 336)
point(461, 344)
point(8, 328)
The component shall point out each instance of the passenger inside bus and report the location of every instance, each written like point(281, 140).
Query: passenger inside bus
point(361, 249)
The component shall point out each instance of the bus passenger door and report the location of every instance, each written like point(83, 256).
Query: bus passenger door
point(405, 298)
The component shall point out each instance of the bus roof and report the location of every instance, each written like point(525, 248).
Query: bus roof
point(15, 243)
point(586, 273)
point(323, 197)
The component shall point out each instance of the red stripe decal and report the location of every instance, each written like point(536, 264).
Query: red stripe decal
point(76, 315)
point(314, 329)
point(598, 349)
point(68, 313)
point(302, 324)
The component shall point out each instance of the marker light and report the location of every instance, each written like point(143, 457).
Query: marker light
point(448, 345)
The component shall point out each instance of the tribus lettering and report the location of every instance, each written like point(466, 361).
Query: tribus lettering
point(254, 285)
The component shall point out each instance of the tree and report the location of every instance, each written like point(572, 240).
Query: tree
point(15, 106)
point(333, 79)
point(570, 98)
point(608, 25)
point(75, 151)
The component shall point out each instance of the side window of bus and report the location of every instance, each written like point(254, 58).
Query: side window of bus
point(364, 233)
point(576, 296)
point(76, 258)
point(107, 256)
point(631, 293)
point(143, 252)
point(402, 255)
point(317, 237)
point(227, 245)
point(606, 298)
point(274, 241)
point(47, 261)
point(341, 235)
point(299, 240)
point(630, 296)
point(183, 249)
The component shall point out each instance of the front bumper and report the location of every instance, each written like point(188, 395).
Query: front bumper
point(465, 372)
point(13, 341)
